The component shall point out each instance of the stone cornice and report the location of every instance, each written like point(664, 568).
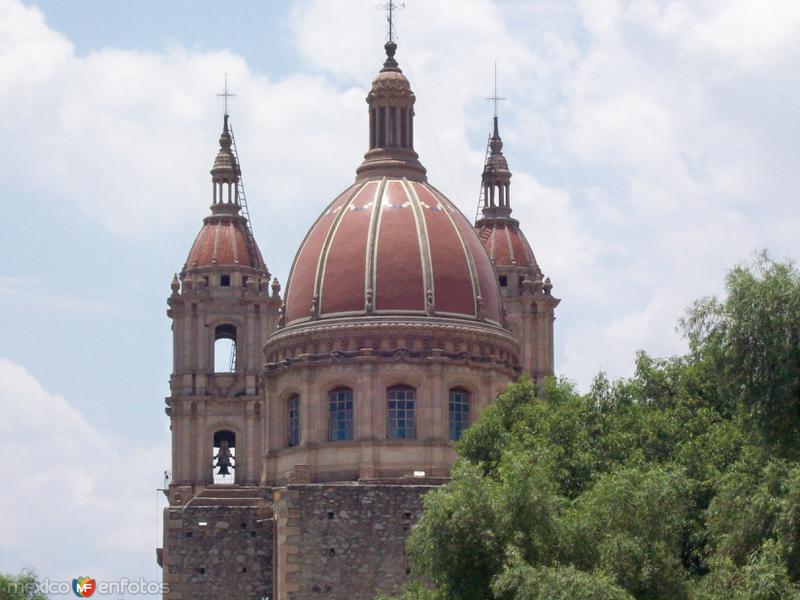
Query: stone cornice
point(386, 339)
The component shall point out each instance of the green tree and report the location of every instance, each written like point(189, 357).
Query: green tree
point(758, 502)
point(680, 482)
point(23, 586)
point(763, 577)
point(457, 544)
point(460, 542)
point(631, 525)
point(751, 341)
point(521, 581)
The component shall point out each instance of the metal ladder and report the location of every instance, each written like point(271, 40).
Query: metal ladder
point(233, 358)
point(251, 242)
point(482, 193)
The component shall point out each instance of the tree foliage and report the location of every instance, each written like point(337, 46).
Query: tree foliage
point(521, 581)
point(681, 482)
point(751, 342)
point(23, 586)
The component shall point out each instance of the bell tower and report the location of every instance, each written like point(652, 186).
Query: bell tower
point(528, 303)
point(222, 308)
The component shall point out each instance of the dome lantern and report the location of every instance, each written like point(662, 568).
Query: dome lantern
point(391, 125)
point(225, 175)
point(496, 179)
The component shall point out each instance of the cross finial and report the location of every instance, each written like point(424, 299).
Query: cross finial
point(494, 97)
point(225, 95)
point(390, 7)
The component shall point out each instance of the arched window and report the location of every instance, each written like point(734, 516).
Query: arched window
point(224, 455)
point(401, 424)
point(225, 348)
point(294, 420)
point(340, 414)
point(459, 412)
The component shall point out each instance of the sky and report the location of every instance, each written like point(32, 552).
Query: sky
point(653, 145)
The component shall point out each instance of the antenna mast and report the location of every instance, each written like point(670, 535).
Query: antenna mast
point(390, 7)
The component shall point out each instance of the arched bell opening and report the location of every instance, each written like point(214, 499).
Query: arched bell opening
point(225, 348)
point(224, 453)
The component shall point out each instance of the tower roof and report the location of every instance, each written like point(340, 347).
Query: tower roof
point(506, 245)
point(222, 242)
point(225, 239)
point(500, 234)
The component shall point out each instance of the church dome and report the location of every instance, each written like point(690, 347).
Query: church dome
point(392, 304)
point(390, 246)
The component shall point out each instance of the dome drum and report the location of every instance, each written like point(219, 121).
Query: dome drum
point(308, 363)
point(387, 340)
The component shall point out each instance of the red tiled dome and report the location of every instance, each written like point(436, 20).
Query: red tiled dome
point(506, 244)
point(223, 242)
point(392, 246)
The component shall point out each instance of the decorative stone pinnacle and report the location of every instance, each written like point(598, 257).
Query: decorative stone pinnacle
point(390, 64)
point(225, 167)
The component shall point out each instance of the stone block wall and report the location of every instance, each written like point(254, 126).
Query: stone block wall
point(213, 552)
point(344, 541)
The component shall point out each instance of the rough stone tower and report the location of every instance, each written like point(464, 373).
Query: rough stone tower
point(222, 311)
point(528, 303)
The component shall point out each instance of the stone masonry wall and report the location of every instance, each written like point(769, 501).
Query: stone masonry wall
point(229, 557)
point(344, 541)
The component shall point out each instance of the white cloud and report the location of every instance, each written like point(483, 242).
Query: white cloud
point(653, 143)
point(31, 52)
point(83, 503)
point(128, 137)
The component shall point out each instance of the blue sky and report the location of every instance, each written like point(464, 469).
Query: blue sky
point(653, 145)
point(258, 31)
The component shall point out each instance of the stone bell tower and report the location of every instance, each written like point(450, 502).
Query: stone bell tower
point(528, 304)
point(222, 309)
